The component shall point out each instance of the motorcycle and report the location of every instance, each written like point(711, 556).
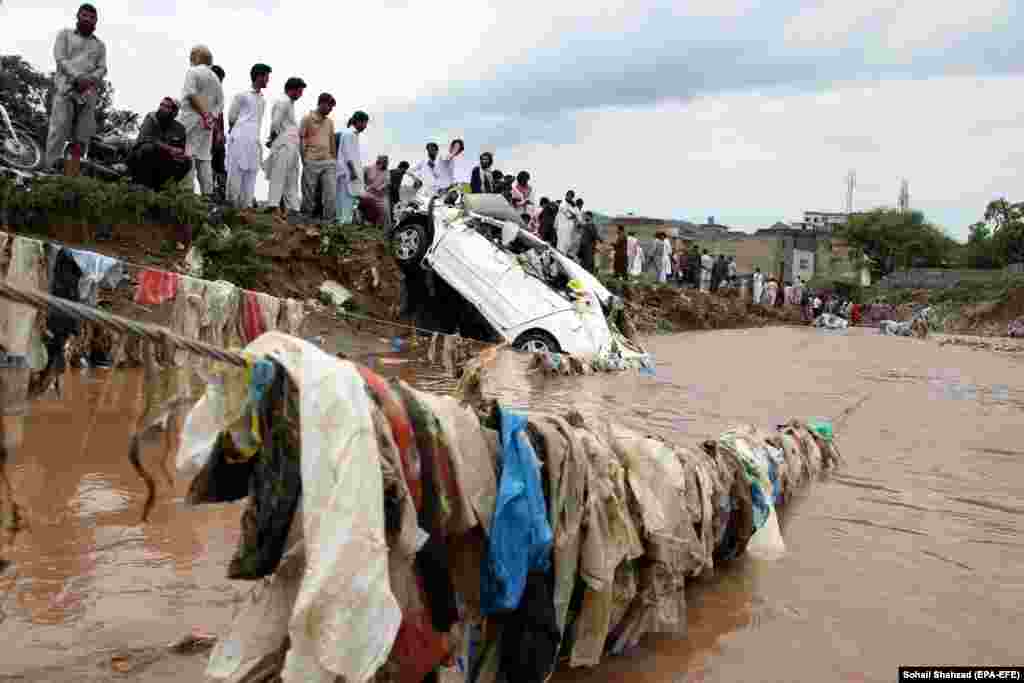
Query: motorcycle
point(107, 156)
point(19, 148)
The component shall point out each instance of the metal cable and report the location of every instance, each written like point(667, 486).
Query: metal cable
point(340, 312)
point(389, 323)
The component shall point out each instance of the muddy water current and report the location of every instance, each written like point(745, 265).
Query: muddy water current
point(912, 554)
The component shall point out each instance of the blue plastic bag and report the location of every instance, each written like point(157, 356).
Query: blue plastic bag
point(520, 537)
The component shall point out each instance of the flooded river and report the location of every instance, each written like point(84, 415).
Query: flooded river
point(912, 554)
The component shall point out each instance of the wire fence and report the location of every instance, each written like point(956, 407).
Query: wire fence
point(155, 333)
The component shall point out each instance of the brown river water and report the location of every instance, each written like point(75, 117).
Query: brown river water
point(912, 554)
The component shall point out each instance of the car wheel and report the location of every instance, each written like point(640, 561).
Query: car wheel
point(536, 341)
point(409, 243)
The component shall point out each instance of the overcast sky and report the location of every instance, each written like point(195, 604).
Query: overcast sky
point(751, 112)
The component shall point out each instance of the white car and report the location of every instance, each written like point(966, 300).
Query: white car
point(532, 296)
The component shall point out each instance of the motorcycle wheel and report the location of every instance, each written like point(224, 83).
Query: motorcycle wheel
point(22, 151)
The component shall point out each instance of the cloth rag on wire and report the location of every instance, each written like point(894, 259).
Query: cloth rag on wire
point(156, 287)
point(97, 270)
point(344, 618)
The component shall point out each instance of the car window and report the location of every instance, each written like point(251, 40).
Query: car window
point(493, 206)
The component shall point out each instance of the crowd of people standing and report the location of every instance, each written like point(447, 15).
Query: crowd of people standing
point(204, 138)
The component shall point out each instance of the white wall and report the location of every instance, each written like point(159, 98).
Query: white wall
point(803, 264)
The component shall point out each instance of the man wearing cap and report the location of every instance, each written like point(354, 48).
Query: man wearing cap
point(319, 152)
point(159, 154)
point(429, 170)
point(282, 165)
point(202, 100)
point(81, 61)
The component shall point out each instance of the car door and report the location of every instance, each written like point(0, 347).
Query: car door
point(489, 278)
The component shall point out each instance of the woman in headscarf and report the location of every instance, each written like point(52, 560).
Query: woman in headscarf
point(522, 193)
point(376, 202)
point(770, 292)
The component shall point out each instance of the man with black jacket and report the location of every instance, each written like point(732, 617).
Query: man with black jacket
point(481, 181)
point(548, 213)
point(159, 153)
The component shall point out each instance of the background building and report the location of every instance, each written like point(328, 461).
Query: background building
point(821, 221)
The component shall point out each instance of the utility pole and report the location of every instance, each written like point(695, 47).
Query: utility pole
point(904, 199)
point(851, 185)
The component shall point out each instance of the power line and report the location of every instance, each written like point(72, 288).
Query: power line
point(903, 203)
point(851, 185)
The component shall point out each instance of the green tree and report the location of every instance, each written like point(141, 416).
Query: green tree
point(24, 92)
point(892, 239)
point(1007, 219)
point(980, 252)
point(109, 117)
point(27, 94)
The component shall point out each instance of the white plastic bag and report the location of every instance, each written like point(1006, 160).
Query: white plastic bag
point(767, 543)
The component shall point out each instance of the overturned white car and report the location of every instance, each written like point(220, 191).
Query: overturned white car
point(529, 294)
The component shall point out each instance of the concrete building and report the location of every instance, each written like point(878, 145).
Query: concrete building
point(804, 249)
point(788, 253)
point(645, 227)
point(821, 221)
point(750, 251)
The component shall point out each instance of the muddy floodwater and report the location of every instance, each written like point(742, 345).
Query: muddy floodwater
point(912, 554)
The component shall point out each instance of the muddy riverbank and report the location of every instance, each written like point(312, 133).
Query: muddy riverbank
point(290, 261)
point(915, 548)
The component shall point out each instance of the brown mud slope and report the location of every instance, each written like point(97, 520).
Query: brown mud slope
point(991, 317)
point(667, 309)
point(297, 269)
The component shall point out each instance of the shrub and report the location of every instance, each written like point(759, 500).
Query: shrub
point(90, 200)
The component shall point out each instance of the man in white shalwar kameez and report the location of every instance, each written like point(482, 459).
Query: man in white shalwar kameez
point(706, 265)
point(429, 171)
point(282, 164)
point(245, 153)
point(350, 165)
point(758, 285)
point(662, 257)
point(636, 255)
point(565, 223)
point(202, 100)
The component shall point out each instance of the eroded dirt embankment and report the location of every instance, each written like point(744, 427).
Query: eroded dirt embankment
point(290, 260)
